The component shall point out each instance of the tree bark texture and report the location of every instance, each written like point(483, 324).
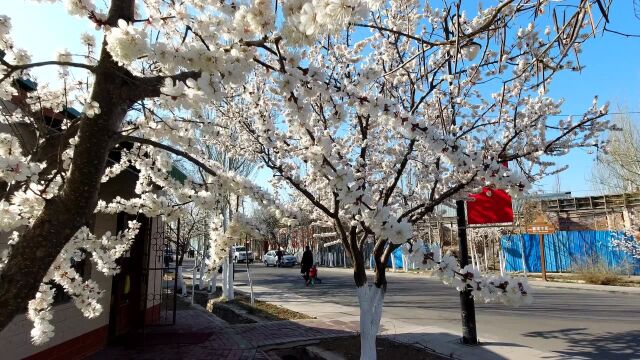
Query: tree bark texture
point(64, 214)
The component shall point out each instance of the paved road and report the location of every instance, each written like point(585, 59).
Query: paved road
point(576, 323)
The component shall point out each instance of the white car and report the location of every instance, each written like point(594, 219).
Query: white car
point(240, 254)
point(270, 258)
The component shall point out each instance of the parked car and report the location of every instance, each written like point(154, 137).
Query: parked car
point(240, 254)
point(270, 258)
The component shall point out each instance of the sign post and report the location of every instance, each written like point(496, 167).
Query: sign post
point(541, 225)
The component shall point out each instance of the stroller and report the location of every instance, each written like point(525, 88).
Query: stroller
point(313, 276)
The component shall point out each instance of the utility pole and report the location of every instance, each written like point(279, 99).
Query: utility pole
point(467, 306)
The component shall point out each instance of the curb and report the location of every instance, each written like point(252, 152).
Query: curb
point(441, 341)
point(582, 287)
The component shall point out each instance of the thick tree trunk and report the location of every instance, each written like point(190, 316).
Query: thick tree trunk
point(371, 300)
point(67, 212)
point(214, 282)
point(227, 280)
point(370, 297)
point(182, 249)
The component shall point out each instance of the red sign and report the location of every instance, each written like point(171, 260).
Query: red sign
point(491, 206)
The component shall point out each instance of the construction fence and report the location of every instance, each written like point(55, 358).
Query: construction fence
point(567, 251)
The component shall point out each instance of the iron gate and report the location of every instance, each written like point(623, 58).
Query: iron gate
point(160, 274)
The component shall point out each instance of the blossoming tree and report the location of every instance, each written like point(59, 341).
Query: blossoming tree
point(373, 112)
point(50, 181)
point(626, 239)
point(408, 108)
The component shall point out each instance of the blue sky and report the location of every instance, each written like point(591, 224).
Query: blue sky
point(612, 71)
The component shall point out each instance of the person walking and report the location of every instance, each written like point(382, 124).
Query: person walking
point(279, 255)
point(306, 264)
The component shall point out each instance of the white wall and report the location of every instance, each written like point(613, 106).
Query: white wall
point(15, 339)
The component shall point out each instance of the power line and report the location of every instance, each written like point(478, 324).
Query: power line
point(609, 113)
point(567, 115)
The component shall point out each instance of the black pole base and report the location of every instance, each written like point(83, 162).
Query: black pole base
point(467, 307)
point(468, 311)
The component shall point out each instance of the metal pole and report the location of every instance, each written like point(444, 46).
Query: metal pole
point(175, 274)
point(542, 261)
point(246, 259)
point(467, 307)
point(193, 277)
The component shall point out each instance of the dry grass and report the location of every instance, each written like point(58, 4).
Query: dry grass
point(599, 278)
point(262, 310)
point(266, 310)
point(597, 272)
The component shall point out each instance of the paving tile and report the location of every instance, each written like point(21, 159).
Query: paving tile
point(200, 335)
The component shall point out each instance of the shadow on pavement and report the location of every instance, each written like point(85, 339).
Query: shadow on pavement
point(450, 345)
point(583, 345)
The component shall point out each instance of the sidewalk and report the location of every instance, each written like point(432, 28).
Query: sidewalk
point(199, 334)
point(432, 338)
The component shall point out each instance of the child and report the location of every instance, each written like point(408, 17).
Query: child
point(313, 276)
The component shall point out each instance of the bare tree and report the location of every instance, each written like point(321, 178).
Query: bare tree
point(618, 168)
point(268, 224)
point(193, 225)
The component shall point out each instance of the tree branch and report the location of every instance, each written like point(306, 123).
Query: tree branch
point(170, 149)
point(14, 68)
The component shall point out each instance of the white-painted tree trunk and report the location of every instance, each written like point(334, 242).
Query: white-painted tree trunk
point(201, 266)
point(227, 279)
point(225, 270)
point(486, 260)
point(213, 282)
point(472, 253)
point(227, 265)
point(181, 282)
point(501, 263)
point(371, 301)
point(193, 281)
point(201, 275)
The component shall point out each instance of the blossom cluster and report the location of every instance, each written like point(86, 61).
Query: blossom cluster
point(627, 239)
point(628, 244)
point(219, 243)
point(505, 289)
point(104, 251)
point(13, 165)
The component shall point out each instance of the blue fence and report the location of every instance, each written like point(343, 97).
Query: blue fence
point(565, 250)
point(396, 257)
